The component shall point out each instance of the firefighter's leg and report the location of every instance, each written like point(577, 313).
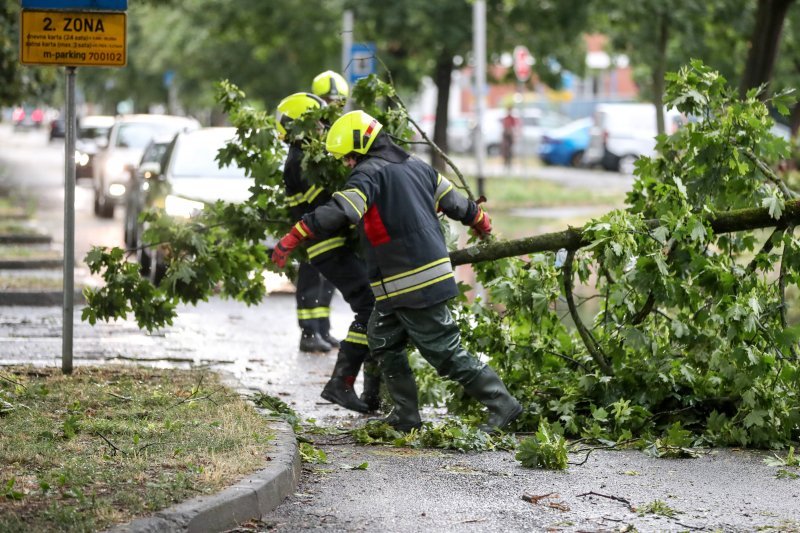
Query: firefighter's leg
point(387, 342)
point(349, 275)
point(326, 289)
point(438, 338)
point(309, 309)
point(339, 389)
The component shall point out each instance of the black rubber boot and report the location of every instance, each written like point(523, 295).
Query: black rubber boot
point(326, 336)
point(488, 388)
point(405, 414)
point(311, 341)
point(372, 386)
point(339, 389)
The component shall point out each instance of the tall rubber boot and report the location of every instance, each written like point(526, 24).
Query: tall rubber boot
point(488, 389)
point(405, 414)
point(339, 389)
point(372, 386)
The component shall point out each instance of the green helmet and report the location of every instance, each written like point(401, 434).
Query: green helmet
point(352, 132)
point(293, 106)
point(330, 86)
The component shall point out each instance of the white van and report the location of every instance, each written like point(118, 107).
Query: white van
point(622, 133)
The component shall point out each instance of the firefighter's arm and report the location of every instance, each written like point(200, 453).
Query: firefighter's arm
point(458, 207)
point(346, 207)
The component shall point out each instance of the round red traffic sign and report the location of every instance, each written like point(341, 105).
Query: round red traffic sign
point(522, 63)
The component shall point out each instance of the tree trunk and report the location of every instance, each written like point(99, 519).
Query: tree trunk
point(794, 119)
point(573, 238)
point(660, 72)
point(441, 77)
point(764, 45)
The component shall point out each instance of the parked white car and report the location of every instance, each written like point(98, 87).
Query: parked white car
point(127, 139)
point(622, 133)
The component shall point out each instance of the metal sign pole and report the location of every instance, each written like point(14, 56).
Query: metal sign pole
point(69, 225)
point(479, 53)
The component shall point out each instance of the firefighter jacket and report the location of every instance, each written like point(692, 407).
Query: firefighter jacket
point(393, 199)
point(303, 197)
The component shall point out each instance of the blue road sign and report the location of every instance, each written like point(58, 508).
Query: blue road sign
point(100, 5)
point(362, 61)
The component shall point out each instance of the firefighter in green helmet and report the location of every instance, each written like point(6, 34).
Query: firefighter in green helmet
point(393, 199)
point(333, 258)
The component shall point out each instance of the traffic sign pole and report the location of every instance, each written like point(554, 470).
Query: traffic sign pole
point(72, 33)
point(69, 226)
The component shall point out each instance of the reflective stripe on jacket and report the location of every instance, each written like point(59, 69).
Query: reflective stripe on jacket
point(303, 197)
point(393, 199)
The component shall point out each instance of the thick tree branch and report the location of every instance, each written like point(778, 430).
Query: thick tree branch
point(574, 238)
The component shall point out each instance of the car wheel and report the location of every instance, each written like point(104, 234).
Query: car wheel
point(493, 149)
point(627, 164)
point(577, 159)
point(158, 267)
point(102, 207)
point(142, 254)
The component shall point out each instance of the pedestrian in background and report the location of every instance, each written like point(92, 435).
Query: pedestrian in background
point(333, 258)
point(510, 125)
point(394, 199)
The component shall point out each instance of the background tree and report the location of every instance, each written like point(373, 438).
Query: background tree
point(764, 44)
point(418, 38)
point(19, 83)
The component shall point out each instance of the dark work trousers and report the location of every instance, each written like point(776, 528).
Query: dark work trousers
point(348, 273)
point(433, 331)
point(313, 296)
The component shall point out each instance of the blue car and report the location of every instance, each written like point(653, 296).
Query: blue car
point(565, 145)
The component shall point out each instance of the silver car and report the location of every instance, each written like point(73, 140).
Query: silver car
point(127, 140)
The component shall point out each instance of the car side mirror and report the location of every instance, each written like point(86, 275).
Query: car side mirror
point(150, 169)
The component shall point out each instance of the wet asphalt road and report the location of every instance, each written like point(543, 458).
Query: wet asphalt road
point(402, 490)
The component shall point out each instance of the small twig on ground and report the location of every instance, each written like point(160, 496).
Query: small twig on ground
point(120, 397)
point(4, 378)
point(114, 448)
point(610, 497)
point(472, 521)
point(536, 498)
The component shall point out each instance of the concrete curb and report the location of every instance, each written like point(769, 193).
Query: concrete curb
point(37, 298)
point(250, 498)
point(25, 239)
point(31, 264)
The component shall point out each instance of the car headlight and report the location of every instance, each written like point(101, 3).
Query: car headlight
point(176, 206)
point(116, 189)
point(81, 158)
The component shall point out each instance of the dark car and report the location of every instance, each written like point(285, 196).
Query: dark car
point(58, 128)
point(149, 167)
point(187, 179)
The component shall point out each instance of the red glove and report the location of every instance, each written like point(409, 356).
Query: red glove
point(289, 242)
point(482, 225)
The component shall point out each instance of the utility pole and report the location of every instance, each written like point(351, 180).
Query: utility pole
point(479, 57)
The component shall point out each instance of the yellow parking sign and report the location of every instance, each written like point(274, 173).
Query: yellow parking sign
point(81, 38)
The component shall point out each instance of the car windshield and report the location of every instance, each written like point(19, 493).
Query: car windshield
point(93, 132)
point(138, 134)
point(195, 156)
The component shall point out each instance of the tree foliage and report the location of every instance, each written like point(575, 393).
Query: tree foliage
point(689, 326)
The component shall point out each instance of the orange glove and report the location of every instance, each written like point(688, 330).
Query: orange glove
point(482, 225)
point(289, 242)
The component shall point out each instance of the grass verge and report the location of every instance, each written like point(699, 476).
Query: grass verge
point(106, 445)
point(30, 253)
point(33, 282)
